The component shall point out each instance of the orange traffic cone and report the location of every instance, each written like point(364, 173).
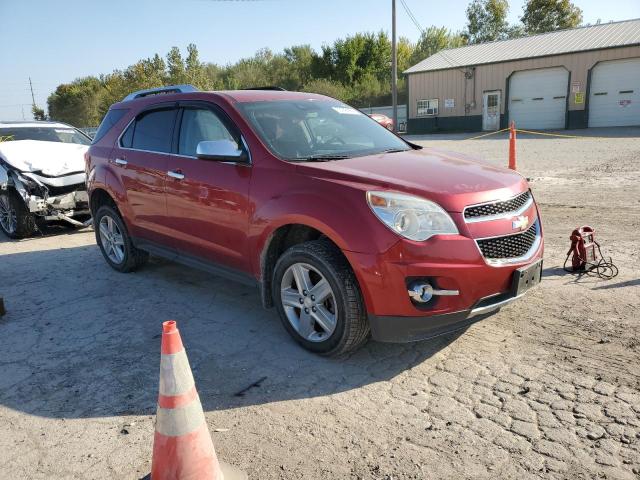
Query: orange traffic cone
point(512, 146)
point(182, 446)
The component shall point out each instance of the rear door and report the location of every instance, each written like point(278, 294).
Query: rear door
point(141, 158)
point(207, 205)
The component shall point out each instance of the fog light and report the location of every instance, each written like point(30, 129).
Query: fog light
point(420, 292)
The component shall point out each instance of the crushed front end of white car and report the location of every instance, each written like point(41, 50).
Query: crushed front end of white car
point(41, 181)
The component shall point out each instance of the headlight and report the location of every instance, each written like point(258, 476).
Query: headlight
point(411, 217)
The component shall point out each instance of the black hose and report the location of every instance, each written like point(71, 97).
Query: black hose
point(604, 269)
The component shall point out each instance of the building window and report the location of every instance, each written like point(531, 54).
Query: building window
point(427, 108)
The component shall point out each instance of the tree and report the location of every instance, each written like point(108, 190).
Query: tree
point(433, 40)
point(487, 21)
point(38, 113)
point(175, 64)
point(195, 72)
point(327, 87)
point(548, 15)
point(78, 102)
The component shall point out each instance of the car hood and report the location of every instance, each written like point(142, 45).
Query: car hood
point(53, 159)
point(451, 179)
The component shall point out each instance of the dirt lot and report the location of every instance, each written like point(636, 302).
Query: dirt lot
point(547, 388)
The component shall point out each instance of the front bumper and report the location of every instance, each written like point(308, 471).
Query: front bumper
point(411, 329)
point(448, 263)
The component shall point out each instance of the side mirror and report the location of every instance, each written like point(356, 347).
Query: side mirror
point(221, 151)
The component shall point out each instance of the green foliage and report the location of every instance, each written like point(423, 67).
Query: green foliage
point(487, 21)
point(38, 113)
point(330, 88)
point(78, 102)
point(548, 15)
point(433, 40)
point(355, 69)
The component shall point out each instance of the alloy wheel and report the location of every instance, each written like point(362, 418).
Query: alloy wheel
point(111, 239)
point(309, 302)
point(8, 215)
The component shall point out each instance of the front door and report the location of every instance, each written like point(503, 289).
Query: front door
point(207, 200)
point(491, 110)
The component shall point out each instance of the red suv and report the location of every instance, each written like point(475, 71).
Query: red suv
point(346, 228)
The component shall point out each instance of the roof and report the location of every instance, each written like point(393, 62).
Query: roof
point(242, 96)
point(34, 123)
point(594, 37)
point(239, 96)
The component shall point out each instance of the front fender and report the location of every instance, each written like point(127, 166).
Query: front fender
point(344, 217)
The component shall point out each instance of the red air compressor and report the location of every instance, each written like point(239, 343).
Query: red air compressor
point(585, 259)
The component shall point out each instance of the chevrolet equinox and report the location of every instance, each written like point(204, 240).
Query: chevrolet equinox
point(347, 229)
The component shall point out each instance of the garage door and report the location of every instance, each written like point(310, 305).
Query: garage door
point(538, 98)
point(614, 94)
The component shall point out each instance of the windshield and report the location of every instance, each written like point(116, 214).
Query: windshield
point(48, 134)
point(299, 130)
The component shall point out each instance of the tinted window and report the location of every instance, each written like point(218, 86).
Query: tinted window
point(110, 119)
point(127, 138)
point(153, 131)
point(199, 124)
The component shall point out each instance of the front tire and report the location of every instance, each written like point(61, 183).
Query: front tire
point(114, 241)
point(318, 299)
point(15, 219)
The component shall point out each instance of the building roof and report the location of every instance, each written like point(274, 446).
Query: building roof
point(594, 37)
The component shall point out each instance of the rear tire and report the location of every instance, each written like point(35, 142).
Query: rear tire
point(15, 219)
point(336, 321)
point(115, 243)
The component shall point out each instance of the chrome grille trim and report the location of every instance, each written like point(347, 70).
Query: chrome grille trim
point(497, 204)
point(498, 262)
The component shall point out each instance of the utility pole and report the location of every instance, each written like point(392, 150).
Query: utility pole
point(394, 67)
point(33, 98)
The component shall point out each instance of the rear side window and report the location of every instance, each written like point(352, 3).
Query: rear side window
point(112, 117)
point(153, 131)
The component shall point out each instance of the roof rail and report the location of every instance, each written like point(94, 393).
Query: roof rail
point(185, 88)
point(279, 89)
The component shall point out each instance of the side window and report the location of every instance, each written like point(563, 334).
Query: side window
point(127, 138)
point(154, 130)
point(110, 119)
point(200, 124)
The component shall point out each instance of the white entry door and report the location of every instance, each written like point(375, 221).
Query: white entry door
point(538, 98)
point(491, 110)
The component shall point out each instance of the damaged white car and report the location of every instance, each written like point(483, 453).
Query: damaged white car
point(42, 177)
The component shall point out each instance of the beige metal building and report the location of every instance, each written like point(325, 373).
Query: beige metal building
point(583, 77)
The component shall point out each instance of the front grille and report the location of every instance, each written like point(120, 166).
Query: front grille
point(510, 246)
point(497, 208)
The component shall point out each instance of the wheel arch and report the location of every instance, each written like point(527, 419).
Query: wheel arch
point(278, 241)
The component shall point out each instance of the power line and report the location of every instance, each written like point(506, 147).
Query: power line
point(412, 16)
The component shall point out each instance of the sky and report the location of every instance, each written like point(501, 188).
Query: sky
point(55, 42)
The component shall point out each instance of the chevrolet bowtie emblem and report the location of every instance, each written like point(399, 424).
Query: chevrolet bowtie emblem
point(520, 223)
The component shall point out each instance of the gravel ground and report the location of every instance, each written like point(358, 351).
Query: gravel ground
point(547, 388)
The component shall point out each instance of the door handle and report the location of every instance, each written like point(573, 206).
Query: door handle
point(175, 174)
point(121, 161)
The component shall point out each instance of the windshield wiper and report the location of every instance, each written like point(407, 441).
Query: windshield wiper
point(394, 150)
point(325, 157)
